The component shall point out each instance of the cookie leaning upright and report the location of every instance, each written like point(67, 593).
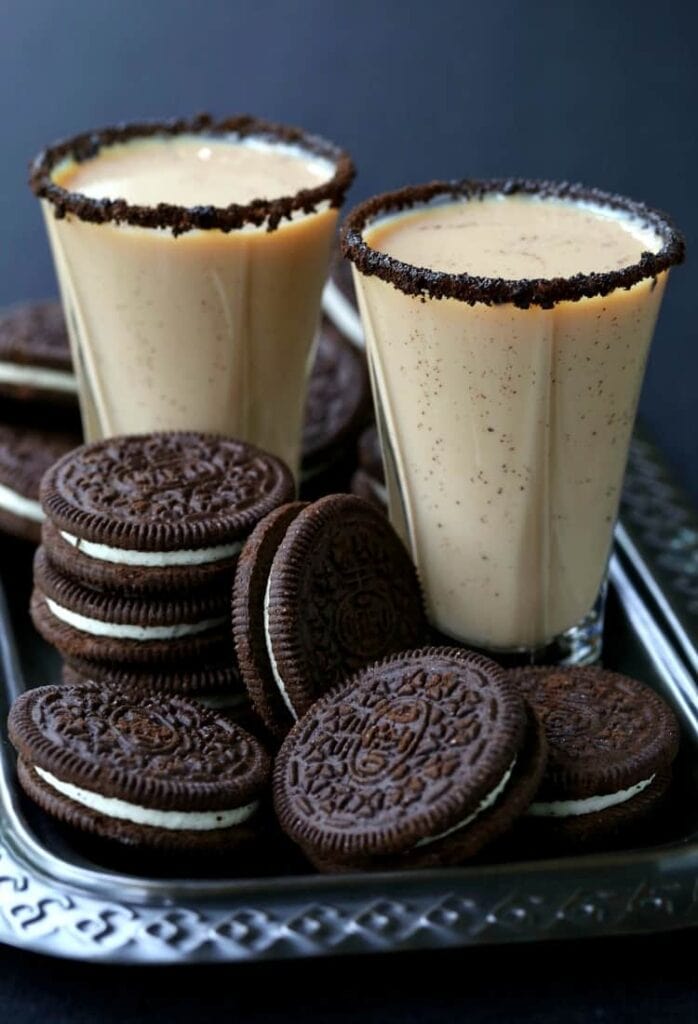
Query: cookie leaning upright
point(321, 591)
point(154, 771)
point(166, 511)
point(419, 760)
point(611, 742)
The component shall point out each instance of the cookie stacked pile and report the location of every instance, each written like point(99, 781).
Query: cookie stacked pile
point(40, 420)
point(142, 533)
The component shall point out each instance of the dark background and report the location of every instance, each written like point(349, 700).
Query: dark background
point(602, 92)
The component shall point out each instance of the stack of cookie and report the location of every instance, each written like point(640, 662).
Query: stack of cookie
point(142, 533)
point(40, 420)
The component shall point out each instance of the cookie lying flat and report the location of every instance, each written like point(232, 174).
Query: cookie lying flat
point(165, 511)
point(35, 363)
point(84, 623)
point(25, 455)
point(611, 744)
point(320, 591)
point(147, 771)
point(420, 760)
point(337, 404)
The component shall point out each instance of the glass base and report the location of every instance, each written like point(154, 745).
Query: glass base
point(579, 645)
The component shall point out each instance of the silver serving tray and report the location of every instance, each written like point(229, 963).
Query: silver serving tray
point(56, 900)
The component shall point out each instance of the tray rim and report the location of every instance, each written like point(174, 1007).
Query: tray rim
point(63, 910)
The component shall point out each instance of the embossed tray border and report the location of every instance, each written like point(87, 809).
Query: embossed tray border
point(54, 907)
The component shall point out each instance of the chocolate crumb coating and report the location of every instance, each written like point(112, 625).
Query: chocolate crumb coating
point(180, 219)
point(491, 291)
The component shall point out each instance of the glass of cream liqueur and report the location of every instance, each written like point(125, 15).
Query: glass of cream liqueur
point(507, 326)
point(191, 258)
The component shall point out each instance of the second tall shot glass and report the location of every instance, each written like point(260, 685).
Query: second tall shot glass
point(507, 326)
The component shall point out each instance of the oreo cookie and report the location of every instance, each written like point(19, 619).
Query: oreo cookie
point(98, 626)
point(320, 591)
point(420, 760)
point(157, 512)
point(25, 455)
point(611, 744)
point(338, 404)
point(35, 363)
point(147, 771)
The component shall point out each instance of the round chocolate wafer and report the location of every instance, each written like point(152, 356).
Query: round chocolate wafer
point(25, 455)
point(421, 759)
point(611, 742)
point(84, 623)
point(340, 592)
point(158, 511)
point(154, 771)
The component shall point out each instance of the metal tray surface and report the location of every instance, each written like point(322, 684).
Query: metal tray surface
point(63, 900)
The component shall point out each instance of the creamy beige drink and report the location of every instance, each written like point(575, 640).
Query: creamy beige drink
point(505, 429)
point(199, 315)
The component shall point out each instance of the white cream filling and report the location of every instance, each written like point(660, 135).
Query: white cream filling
point(588, 805)
point(484, 804)
point(129, 631)
point(38, 377)
point(129, 556)
point(27, 508)
point(270, 651)
point(111, 807)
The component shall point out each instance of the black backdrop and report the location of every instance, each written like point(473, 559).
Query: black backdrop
point(602, 92)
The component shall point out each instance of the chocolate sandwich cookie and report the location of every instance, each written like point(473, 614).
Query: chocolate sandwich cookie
point(25, 455)
point(611, 744)
point(152, 771)
point(35, 363)
point(419, 760)
point(99, 626)
point(337, 406)
point(156, 512)
point(320, 591)
point(249, 590)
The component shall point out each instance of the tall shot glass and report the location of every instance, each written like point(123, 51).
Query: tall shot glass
point(505, 408)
